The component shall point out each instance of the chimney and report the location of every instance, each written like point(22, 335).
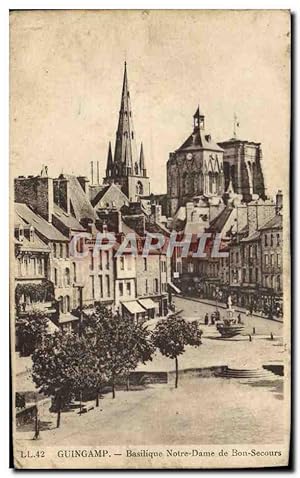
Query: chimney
point(98, 178)
point(83, 181)
point(61, 188)
point(279, 201)
point(37, 193)
point(92, 173)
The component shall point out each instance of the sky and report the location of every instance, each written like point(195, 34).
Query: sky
point(66, 70)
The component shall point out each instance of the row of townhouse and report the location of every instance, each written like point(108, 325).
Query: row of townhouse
point(250, 269)
point(53, 215)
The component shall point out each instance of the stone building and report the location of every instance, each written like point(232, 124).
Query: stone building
point(59, 266)
point(195, 169)
point(126, 168)
point(242, 167)
point(33, 287)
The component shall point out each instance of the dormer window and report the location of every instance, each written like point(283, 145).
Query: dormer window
point(31, 233)
point(21, 233)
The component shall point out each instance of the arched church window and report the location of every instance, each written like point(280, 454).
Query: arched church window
point(139, 188)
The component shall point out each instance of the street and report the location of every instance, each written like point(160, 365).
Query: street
point(201, 411)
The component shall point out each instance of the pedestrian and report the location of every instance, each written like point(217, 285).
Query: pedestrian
point(206, 319)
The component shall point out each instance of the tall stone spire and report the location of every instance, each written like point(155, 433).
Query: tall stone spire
point(142, 162)
point(109, 164)
point(125, 149)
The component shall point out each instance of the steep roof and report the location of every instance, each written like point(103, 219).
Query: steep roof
point(110, 189)
point(67, 219)
point(81, 205)
point(218, 223)
point(40, 225)
point(199, 140)
point(274, 223)
point(253, 237)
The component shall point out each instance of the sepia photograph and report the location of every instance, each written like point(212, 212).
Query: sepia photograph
point(150, 309)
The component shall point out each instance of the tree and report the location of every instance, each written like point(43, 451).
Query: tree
point(120, 344)
point(62, 367)
point(172, 335)
point(30, 329)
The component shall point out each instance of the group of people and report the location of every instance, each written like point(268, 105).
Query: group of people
point(216, 317)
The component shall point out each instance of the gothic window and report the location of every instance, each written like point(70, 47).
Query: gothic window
point(136, 168)
point(139, 188)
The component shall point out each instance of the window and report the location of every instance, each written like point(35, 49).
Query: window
point(139, 188)
point(67, 276)
point(67, 250)
point(266, 240)
point(278, 239)
point(266, 259)
point(271, 240)
point(100, 260)
point(272, 260)
point(93, 286)
point(237, 257)
point(250, 276)
point(156, 285)
point(121, 289)
point(163, 266)
point(107, 259)
point(108, 285)
point(146, 286)
point(278, 260)
point(60, 304)
point(278, 283)
point(67, 304)
point(55, 276)
point(54, 250)
point(128, 288)
point(74, 272)
point(122, 263)
point(31, 234)
point(145, 263)
point(34, 265)
point(61, 250)
point(101, 286)
point(91, 260)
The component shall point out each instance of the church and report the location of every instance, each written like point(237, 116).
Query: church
point(196, 168)
point(126, 168)
point(201, 169)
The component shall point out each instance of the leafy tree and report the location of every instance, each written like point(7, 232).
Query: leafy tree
point(62, 366)
point(30, 329)
point(20, 400)
point(120, 344)
point(172, 335)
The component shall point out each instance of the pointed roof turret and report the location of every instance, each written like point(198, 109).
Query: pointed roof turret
point(142, 159)
point(109, 164)
point(125, 149)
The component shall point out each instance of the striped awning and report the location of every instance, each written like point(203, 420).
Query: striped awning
point(133, 307)
point(148, 303)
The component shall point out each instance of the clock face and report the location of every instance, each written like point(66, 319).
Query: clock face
point(189, 156)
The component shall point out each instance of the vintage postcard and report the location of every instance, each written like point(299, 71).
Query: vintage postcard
point(149, 234)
